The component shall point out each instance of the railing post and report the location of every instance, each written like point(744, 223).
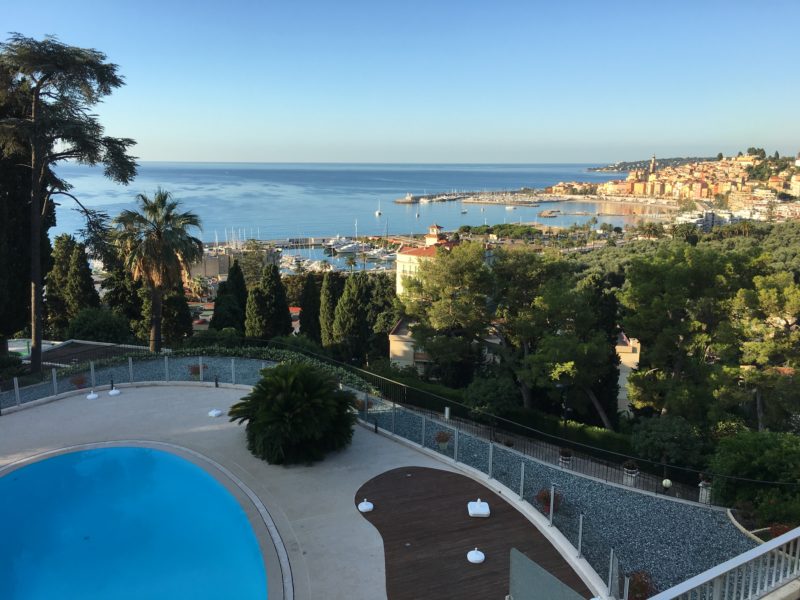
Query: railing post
point(394, 410)
point(716, 593)
point(552, 501)
point(455, 447)
point(91, 371)
point(16, 391)
point(55, 381)
point(491, 457)
point(233, 371)
point(130, 368)
point(166, 368)
point(522, 480)
point(580, 534)
point(423, 430)
point(200, 363)
point(627, 588)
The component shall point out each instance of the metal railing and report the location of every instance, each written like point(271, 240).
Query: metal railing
point(749, 576)
point(587, 459)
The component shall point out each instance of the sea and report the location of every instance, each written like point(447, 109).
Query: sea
point(273, 201)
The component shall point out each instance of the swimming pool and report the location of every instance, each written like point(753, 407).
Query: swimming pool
point(124, 523)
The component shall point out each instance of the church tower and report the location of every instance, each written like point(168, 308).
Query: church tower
point(652, 165)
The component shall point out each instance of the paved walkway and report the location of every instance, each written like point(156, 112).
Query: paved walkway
point(333, 551)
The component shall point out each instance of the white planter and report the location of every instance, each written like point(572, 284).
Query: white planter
point(705, 492)
point(629, 477)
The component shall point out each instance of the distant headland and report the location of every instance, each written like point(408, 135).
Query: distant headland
point(624, 167)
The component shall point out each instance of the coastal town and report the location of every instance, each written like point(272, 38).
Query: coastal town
point(748, 186)
point(730, 189)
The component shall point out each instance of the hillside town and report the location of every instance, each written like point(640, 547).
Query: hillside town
point(729, 189)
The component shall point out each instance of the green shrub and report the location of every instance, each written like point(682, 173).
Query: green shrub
point(760, 456)
point(295, 414)
point(669, 440)
point(99, 325)
point(10, 367)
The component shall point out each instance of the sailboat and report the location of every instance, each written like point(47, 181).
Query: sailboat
point(378, 212)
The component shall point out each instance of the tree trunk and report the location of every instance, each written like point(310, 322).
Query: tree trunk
point(36, 263)
point(599, 408)
point(759, 410)
point(527, 397)
point(524, 388)
point(155, 319)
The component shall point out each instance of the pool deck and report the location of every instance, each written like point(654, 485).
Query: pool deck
point(334, 552)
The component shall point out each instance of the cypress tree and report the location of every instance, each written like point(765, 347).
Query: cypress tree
point(56, 285)
point(351, 330)
point(237, 287)
point(255, 323)
point(277, 318)
point(309, 308)
point(332, 287)
point(227, 312)
point(177, 318)
point(79, 292)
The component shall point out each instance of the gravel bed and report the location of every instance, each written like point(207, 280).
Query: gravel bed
point(671, 540)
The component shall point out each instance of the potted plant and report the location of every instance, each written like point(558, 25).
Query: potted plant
point(542, 499)
point(641, 586)
point(704, 496)
point(564, 458)
point(79, 381)
point(194, 371)
point(442, 438)
point(360, 403)
point(630, 471)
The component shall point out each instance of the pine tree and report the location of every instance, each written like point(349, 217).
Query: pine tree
point(79, 292)
point(237, 286)
point(278, 320)
point(15, 195)
point(351, 330)
point(332, 287)
point(60, 85)
point(309, 308)
point(56, 282)
point(255, 323)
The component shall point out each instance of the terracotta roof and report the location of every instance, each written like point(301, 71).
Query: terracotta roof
point(428, 251)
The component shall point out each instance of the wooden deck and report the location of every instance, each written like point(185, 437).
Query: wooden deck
point(421, 515)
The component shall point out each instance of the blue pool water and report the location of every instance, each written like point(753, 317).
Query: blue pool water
point(124, 523)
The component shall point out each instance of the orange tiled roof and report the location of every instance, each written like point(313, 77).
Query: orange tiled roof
point(427, 252)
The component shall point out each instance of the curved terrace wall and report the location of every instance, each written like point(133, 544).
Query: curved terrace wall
point(671, 539)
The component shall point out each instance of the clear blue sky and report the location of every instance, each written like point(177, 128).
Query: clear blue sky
point(438, 81)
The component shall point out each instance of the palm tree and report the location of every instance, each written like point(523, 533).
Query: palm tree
point(295, 414)
point(157, 247)
point(351, 262)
